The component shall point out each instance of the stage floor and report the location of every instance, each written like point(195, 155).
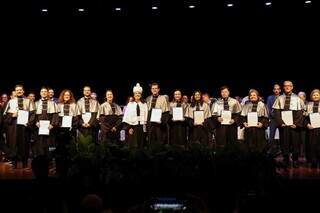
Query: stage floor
point(7, 172)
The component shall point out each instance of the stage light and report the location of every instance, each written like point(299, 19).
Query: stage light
point(81, 10)
point(44, 10)
point(268, 3)
point(307, 2)
point(154, 7)
point(191, 6)
point(230, 5)
point(118, 9)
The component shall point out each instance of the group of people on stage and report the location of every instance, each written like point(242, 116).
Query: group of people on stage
point(156, 121)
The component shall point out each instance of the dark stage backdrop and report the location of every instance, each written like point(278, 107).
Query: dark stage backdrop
point(123, 87)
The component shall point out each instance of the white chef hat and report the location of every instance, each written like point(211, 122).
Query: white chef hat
point(137, 88)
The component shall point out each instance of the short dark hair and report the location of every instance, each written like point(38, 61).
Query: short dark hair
point(44, 87)
point(224, 87)
point(18, 85)
point(154, 84)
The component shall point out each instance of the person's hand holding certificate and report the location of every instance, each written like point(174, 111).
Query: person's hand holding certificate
point(23, 117)
point(226, 117)
point(156, 115)
point(66, 121)
point(315, 120)
point(287, 118)
point(44, 127)
point(198, 117)
point(177, 114)
point(252, 119)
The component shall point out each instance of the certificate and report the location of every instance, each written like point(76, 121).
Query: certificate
point(86, 117)
point(315, 120)
point(277, 135)
point(44, 127)
point(252, 118)
point(287, 117)
point(198, 117)
point(226, 116)
point(240, 133)
point(66, 121)
point(23, 117)
point(177, 114)
point(156, 115)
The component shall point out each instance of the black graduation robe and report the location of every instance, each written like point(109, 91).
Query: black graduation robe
point(226, 134)
point(92, 108)
point(18, 135)
point(49, 113)
point(178, 129)
point(255, 138)
point(198, 133)
point(157, 133)
point(289, 137)
point(110, 115)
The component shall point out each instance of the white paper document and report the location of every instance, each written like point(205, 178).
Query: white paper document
point(226, 116)
point(156, 115)
point(287, 117)
point(66, 121)
point(23, 117)
point(252, 118)
point(315, 120)
point(44, 127)
point(177, 114)
point(198, 117)
point(86, 117)
point(240, 133)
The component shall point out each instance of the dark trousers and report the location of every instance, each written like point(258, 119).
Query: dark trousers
point(199, 135)
point(290, 142)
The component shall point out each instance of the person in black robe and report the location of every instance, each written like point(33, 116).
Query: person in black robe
point(199, 132)
point(135, 119)
point(88, 126)
point(289, 133)
point(157, 132)
point(18, 135)
point(178, 128)
point(313, 132)
point(255, 136)
point(65, 132)
point(226, 134)
point(46, 110)
point(110, 117)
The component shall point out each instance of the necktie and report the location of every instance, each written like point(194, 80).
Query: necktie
point(87, 104)
point(113, 107)
point(138, 109)
point(66, 109)
point(20, 103)
point(198, 106)
point(225, 104)
point(44, 106)
point(254, 107)
point(154, 101)
point(178, 104)
point(287, 102)
point(315, 107)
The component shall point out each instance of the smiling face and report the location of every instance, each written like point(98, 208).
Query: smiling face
point(44, 93)
point(197, 96)
point(18, 92)
point(66, 96)
point(177, 95)
point(287, 87)
point(276, 90)
point(315, 96)
point(225, 93)
point(137, 96)
point(253, 97)
point(155, 90)
point(109, 96)
point(87, 91)
point(51, 93)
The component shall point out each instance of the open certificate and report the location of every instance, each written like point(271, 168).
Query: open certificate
point(66, 121)
point(156, 115)
point(198, 117)
point(226, 117)
point(177, 114)
point(287, 117)
point(44, 127)
point(252, 119)
point(86, 117)
point(315, 120)
point(23, 117)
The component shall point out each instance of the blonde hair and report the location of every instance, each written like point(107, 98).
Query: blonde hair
point(314, 91)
